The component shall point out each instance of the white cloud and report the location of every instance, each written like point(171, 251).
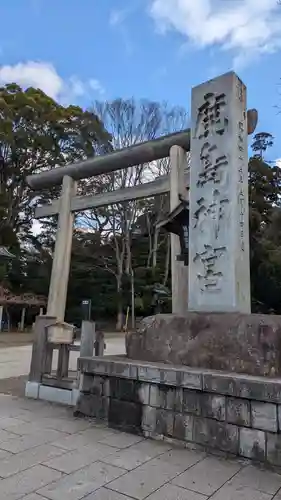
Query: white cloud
point(278, 162)
point(117, 17)
point(96, 86)
point(43, 75)
point(248, 27)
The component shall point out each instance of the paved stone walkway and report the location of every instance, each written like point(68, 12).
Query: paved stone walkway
point(45, 453)
point(15, 361)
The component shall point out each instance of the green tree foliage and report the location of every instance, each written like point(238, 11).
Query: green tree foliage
point(265, 225)
point(37, 133)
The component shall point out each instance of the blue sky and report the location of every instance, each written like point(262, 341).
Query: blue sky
point(82, 50)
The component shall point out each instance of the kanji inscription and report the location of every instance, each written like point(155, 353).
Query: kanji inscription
point(211, 118)
point(218, 230)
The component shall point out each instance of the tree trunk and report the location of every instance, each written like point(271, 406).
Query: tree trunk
point(155, 248)
point(167, 260)
point(119, 321)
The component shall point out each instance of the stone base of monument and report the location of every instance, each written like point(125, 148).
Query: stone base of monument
point(241, 343)
point(198, 408)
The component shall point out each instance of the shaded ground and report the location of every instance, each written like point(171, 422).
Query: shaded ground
point(14, 386)
point(14, 339)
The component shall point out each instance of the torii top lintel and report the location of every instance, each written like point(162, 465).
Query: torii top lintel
point(124, 158)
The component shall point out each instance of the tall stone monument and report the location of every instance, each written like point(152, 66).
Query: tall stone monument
point(219, 269)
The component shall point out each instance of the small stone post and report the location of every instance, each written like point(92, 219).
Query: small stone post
point(62, 254)
point(22, 320)
point(1, 316)
point(219, 269)
point(39, 348)
point(87, 338)
point(179, 271)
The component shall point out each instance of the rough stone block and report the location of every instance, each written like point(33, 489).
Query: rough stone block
point(75, 394)
point(32, 390)
point(183, 427)
point(143, 393)
point(92, 384)
point(213, 406)
point(170, 377)
point(273, 449)
point(192, 402)
point(214, 434)
point(125, 415)
point(264, 416)
point(93, 406)
point(178, 401)
point(164, 422)
point(95, 365)
point(243, 386)
point(86, 382)
point(220, 383)
point(192, 379)
point(154, 399)
point(170, 399)
point(55, 395)
point(124, 389)
point(252, 444)
point(148, 422)
point(238, 411)
point(231, 342)
point(279, 417)
point(149, 374)
point(120, 369)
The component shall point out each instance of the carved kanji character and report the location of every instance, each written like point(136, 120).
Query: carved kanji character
point(210, 213)
point(211, 276)
point(212, 165)
point(211, 117)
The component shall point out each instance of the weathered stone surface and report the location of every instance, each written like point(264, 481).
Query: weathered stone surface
point(144, 393)
point(93, 406)
point(214, 434)
point(238, 412)
point(127, 390)
point(192, 402)
point(148, 422)
point(252, 444)
point(219, 267)
point(243, 386)
point(213, 406)
point(125, 415)
point(279, 417)
point(183, 427)
point(192, 379)
point(164, 422)
point(274, 449)
point(264, 416)
point(242, 343)
point(156, 397)
point(94, 384)
point(162, 396)
point(149, 374)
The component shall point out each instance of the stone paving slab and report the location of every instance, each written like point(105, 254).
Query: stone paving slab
point(78, 485)
point(71, 459)
point(77, 459)
point(136, 455)
point(207, 476)
point(28, 458)
point(16, 486)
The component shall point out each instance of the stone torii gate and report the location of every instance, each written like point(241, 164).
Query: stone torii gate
point(218, 113)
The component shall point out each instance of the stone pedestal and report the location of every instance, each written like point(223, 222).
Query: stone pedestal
point(241, 343)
